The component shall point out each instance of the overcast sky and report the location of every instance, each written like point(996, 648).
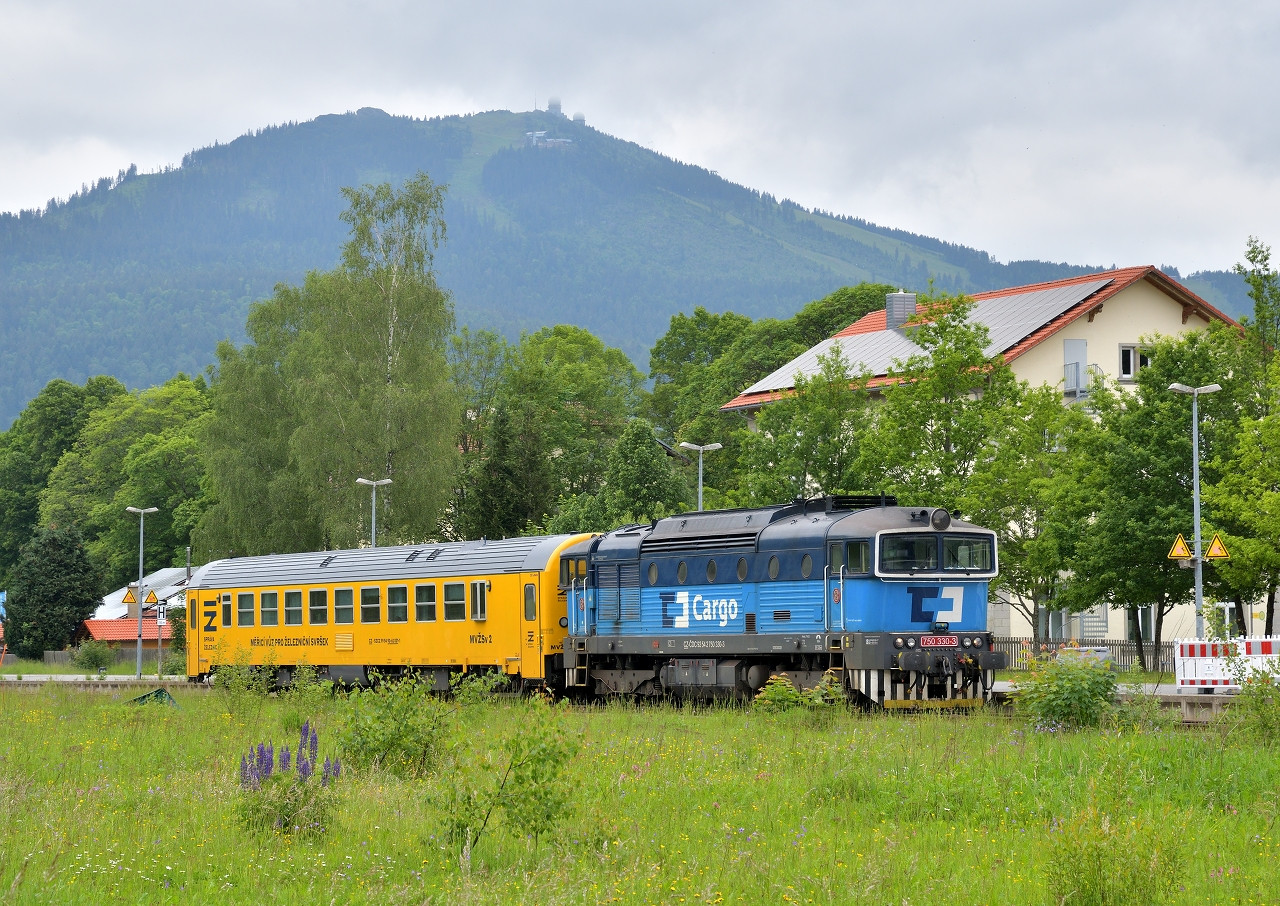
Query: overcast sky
point(1089, 132)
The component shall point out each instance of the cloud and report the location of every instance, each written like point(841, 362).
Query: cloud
point(1094, 132)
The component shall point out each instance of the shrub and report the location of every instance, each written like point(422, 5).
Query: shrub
point(395, 725)
point(1140, 711)
point(523, 782)
point(473, 688)
point(275, 798)
point(1065, 693)
point(779, 694)
point(1255, 711)
point(305, 695)
point(174, 664)
point(94, 656)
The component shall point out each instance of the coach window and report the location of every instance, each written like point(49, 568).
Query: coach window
point(344, 610)
point(653, 574)
point(682, 572)
point(270, 608)
point(293, 608)
point(244, 609)
point(371, 605)
point(773, 567)
point(455, 601)
point(398, 604)
point(858, 557)
point(191, 615)
point(711, 571)
point(226, 609)
point(318, 599)
point(531, 602)
point(424, 599)
point(806, 566)
point(479, 600)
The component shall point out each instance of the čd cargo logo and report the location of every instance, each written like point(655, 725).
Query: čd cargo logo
point(703, 610)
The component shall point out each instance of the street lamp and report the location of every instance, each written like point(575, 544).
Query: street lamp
point(374, 485)
point(1194, 393)
point(701, 449)
point(142, 519)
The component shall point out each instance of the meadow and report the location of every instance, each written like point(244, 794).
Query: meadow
point(106, 801)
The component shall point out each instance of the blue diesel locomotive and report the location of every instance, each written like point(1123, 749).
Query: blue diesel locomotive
point(711, 604)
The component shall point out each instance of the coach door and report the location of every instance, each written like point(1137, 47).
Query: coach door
point(531, 637)
point(202, 627)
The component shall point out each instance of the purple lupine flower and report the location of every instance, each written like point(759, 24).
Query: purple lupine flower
point(305, 769)
point(315, 745)
point(337, 769)
point(262, 759)
point(306, 736)
point(271, 761)
point(284, 759)
point(244, 771)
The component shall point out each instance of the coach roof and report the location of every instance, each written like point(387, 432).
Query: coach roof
point(383, 564)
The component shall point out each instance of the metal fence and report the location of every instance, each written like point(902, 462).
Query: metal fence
point(1123, 653)
point(125, 652)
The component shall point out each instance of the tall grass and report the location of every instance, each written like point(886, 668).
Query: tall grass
point(110, 802)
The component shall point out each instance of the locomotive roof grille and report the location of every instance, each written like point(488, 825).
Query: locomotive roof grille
point(721, 542)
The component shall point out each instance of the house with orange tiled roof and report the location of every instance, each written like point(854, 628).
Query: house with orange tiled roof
point(1055, 333)
point(1058, 333)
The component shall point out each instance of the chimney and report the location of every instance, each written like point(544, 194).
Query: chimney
point(898, 308)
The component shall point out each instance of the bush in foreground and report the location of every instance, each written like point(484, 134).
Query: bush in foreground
point(1065, 693)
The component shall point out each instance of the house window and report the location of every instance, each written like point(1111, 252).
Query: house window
point(318, 599)
point(398, 604)
point(1132, 359)
point(370, 605)
point(425, 603)
point(293, 608)
point(455, 601)
point(344, 605)
point(270, 608)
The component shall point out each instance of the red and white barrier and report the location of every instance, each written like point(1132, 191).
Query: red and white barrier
point(1202, 664)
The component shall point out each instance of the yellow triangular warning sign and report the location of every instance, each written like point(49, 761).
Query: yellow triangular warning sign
point(1217, 550)
point(129, 598)
point(151, 598)
point(1180, 551)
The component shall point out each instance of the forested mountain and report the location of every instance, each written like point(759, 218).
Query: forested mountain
point(141, 275)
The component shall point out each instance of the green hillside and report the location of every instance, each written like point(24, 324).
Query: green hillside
point(140, 276)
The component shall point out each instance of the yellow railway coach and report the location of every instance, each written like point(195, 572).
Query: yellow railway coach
point(435, 608)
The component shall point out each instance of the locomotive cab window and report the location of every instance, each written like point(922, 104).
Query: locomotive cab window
point(244, 609)
point(530, 602)
point(344, 605)
point(318, 601)
point(455, 601)
point(909, 553)
point(424, 600)
point(970, 553)
point(293, 608)
point(857, 558)
point(479, 600)
point(270, 608)
point(371, 605)
point(398, 604)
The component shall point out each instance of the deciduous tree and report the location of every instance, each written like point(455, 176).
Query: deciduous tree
point(53, 588)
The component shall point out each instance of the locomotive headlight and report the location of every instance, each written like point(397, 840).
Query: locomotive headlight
point(977, 641)
point(897, 643)
point(968, 643)
point(911, 642)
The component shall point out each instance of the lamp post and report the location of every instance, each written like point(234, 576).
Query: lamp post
point(701, 449)
point(142, 520)
point(374, 485)
point(1194, 393)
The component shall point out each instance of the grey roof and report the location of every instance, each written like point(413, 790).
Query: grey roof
point(169, 584)
point(382, 564)
point(1009, 319)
